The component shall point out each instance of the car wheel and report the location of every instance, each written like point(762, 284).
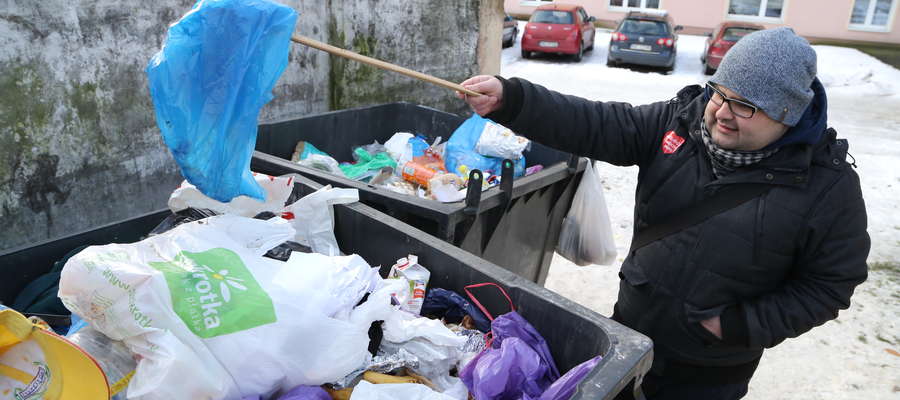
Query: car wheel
point(507, 43)
point(580, 54)
point(591, 47)
point(525, 53)
point(707, 70)
point(611, 63)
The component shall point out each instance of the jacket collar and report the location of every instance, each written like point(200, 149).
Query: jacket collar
point(788, 167)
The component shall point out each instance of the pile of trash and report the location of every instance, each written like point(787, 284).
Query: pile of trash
point(408, 164)
point(254, 300)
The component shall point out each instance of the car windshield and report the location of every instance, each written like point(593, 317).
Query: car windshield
point(644, 27)
point(552, 17)
point(736, 33)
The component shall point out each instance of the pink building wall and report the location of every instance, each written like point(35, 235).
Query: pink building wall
point(810, 18)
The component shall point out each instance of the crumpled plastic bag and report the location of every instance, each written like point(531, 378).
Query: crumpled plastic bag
point(396, 391)
point(322, 163)
point(367, 164)
point(306, 393)
point(461, 158)
point(565, 386)
point(586, 236)
point(113, 357)
point(498, 141)
point(197, 301)
point(209, 81)
point(399, 148)
point(314, 218)
point(304, 149)
point(435, 346)
point(517, 365)
point(277, 189)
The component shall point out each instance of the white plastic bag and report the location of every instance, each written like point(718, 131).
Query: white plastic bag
point(278, 189)
point(586, 236)
point(498, 141)
point(433, 344)
point(314, 218)
point(395, 391)
point(399, 149)
point(213, 319)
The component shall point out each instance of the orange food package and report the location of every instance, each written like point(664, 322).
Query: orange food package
point(421, 169)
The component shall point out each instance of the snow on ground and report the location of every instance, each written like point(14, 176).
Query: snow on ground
point(848, 358)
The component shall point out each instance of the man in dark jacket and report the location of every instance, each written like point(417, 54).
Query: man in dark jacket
point(715, 292)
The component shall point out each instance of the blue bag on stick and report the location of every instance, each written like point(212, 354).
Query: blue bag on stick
point(214, 73)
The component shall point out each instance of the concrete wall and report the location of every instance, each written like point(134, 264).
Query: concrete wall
point(809, 18)
point(434, 37)
point(79, 146)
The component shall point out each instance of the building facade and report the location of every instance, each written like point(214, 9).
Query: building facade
point(854, 20)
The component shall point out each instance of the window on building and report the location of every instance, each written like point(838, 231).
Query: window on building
point(871, 14)
point(633, 4)
point(756, 9)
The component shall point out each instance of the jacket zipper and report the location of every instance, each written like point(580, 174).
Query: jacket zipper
point(758, 231)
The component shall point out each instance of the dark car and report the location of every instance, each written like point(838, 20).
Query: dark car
point(720, 41)
point(510, 31)
point(644, 38)
point(560, 29)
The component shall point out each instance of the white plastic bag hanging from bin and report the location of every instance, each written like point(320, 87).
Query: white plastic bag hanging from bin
point(586, 236)
point(314, 218)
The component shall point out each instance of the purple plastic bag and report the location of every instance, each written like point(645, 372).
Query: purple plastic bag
point(518, 365)
point(506, 373)
point(564, 387)
point(306, 393)
point(512, 324)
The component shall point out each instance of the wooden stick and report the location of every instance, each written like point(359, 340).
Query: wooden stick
point(380, 64)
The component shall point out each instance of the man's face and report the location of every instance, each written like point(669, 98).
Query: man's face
point(733, 132)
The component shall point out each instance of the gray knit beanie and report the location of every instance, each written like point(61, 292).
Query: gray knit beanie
point(773, 69)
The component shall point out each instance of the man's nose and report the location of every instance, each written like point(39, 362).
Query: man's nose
point(724, 112)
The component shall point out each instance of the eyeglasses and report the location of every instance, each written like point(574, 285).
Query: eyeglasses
point(740, 108)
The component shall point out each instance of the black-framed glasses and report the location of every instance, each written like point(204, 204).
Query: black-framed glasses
point(740, 108)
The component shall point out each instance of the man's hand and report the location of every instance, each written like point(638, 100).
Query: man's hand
point(713, 325)
point(491, 94)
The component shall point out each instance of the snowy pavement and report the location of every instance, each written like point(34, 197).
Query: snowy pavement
point(855, 356)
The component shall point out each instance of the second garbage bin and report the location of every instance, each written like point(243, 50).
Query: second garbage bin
point(513, 225)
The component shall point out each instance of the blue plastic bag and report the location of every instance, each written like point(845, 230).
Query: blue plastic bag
point(461, 158)
point(214, 73)
point(448, 304)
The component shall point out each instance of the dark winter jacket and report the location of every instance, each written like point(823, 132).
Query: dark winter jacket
point(772, 268)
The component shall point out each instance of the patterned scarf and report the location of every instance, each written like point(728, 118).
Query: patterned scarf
point(724, 161)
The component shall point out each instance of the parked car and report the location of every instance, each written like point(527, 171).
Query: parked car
point(510, 31)
point(560, 29)
point(644, 38)
point(720, 41)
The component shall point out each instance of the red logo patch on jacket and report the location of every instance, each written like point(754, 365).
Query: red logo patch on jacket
point(671, 142)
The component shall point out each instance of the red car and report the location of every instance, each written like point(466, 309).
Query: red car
point(560, 29)
point(720, 41)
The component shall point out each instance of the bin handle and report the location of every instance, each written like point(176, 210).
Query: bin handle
point(506, 180)
point(473, 192)
point(572, 165)
point(478, 303)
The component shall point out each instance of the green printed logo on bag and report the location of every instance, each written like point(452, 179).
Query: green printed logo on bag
point(214, 293)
